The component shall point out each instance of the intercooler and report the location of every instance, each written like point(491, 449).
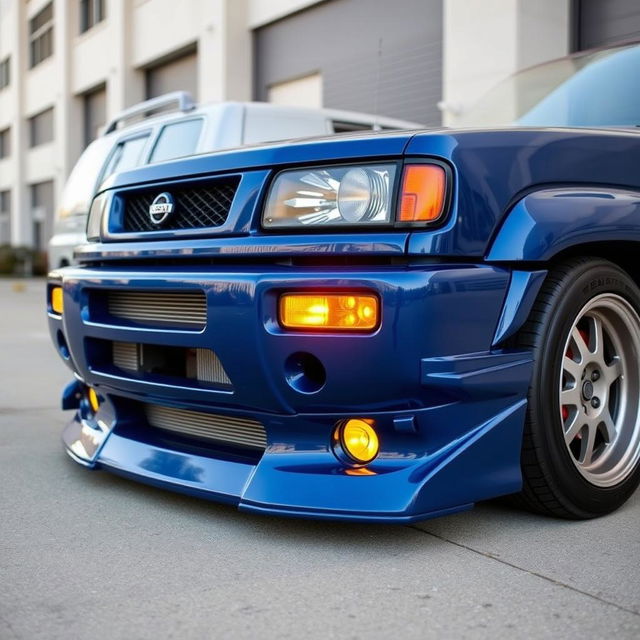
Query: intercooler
point(241, 432)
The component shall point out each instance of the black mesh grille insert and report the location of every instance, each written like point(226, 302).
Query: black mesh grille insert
point(196, 206)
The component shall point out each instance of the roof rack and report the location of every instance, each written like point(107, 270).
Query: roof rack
point(183, 100)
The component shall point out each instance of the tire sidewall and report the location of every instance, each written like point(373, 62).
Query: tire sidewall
point(575, 492)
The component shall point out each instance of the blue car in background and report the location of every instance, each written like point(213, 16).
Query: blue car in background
point(379, 327)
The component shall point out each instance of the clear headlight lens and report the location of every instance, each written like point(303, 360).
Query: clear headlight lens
point(331, 196)
point(96, 212)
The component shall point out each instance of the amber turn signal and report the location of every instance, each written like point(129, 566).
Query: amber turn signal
point(57, 304)
point(423, 193)
point(336, 312)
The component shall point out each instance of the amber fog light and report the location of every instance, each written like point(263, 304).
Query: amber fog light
point(329, 312)
point(357, 440)
point(56, 300)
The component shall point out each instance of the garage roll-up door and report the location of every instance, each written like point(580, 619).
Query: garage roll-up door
point(372, 55)
point(605, 22)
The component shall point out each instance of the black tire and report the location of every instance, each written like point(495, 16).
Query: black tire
point(555, 481)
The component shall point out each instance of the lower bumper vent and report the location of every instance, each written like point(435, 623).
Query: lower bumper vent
point(241, 432)
point(175, 309)
point(202, 365)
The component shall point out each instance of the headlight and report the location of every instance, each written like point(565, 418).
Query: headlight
point(96, 212)
point(331, 196)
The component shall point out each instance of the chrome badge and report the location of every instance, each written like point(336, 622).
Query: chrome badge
point(161, 208)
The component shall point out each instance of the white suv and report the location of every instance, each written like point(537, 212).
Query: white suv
point(187, 130)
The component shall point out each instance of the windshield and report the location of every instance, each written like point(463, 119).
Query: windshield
point(80, 187)
point(593, 90)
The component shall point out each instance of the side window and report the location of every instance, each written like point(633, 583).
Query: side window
point(177, 140)
point(126, 155)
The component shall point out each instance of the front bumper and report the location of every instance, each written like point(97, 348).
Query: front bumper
point(448, 410)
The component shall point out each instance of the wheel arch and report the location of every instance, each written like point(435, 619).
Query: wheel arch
point(527, 279)
point(546, 224)
point(551, 226)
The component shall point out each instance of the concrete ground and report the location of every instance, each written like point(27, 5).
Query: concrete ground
point(86, 554)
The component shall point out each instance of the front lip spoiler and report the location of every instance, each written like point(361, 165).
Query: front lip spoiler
point(307, 484)
point(83, 440)
point(85, 463)
point(248, 506)
point(342, 516)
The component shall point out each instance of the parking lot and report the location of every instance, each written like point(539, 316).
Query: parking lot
point(90, 554)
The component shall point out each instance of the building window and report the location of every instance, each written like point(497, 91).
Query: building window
point(95, 113)
point(5, 201)
point(5, 143)
point(5, 217)
point(41, 212)
point(177, 74)
point(41, 128)
point(91, 12)
point(5, 71)
point(41, 36)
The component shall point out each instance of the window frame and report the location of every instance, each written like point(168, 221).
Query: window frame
point(33, 143)
point(39, 34)
point(87, 105)
point(39, 225)
point(5, 215)
point(5, 201)
point(5, 72)
point(5, 143)
point(90, 14)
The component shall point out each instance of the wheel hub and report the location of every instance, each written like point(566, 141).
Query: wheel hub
point(587, 390)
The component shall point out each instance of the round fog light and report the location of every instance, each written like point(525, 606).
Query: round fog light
point(358, 440)
point(94, 401)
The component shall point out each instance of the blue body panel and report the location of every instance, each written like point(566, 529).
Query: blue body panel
point(523, 289)
point(495, 169)
point(447, 396)
point(547, 222)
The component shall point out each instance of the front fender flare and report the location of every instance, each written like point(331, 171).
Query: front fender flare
point(544, 223)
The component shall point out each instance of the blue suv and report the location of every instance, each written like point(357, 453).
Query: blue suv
point(380, 327)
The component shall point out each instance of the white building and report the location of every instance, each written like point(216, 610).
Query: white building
point(67, 66)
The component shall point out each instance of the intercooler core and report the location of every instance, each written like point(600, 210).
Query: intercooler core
point(202, 365)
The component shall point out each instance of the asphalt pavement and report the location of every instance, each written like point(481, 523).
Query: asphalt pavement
point(87, 554)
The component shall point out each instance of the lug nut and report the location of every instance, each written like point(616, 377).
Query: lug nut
point(595, 402)
point(595, 376)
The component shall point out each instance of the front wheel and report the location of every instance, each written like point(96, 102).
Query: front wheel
point(581, 443)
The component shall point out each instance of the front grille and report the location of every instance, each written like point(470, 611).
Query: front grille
point(195, 207)
point(241, 432)
point(158, 308)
